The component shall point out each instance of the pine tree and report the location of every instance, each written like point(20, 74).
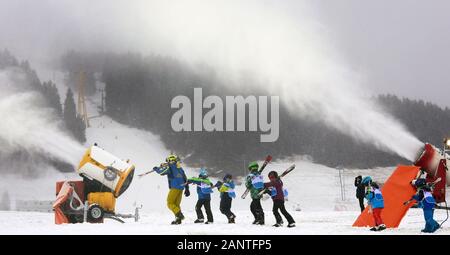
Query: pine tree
point(51, 94)
point(7, 59)
point(72, 121)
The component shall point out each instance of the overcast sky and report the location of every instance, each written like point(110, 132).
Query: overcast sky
point(400, 46)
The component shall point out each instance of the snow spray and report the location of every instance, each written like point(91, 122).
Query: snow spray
point(28, 124)
point(281, 46)
point(289, 56)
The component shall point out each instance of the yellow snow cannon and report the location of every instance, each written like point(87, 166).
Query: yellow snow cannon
point(105, 172)
point(105, 178)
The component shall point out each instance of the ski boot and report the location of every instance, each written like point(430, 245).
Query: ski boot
point(231, 219)
point(255, 222)
point(199, 221)
point(177, 221)
point(260, 222)
point(374, 228)
point(381, 227)
point(277, 225)
point(291, 225)
point(178, 218)
point(209, 222)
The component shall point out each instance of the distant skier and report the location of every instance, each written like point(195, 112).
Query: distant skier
point(424, 197)
point(204, 190)
point(275, 188)
point(226, 189)
point(255, 182)
point(360, 190)
point(177, 179)
point(375, 201)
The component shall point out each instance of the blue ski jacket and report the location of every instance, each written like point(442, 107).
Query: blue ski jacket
point(175, 175)
point(425, 199)
point(375, 199)
point(227, 189)
point(204, 188)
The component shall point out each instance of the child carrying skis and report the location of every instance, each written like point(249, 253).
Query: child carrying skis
point(204, 190)
point(375, 201)
point(424, 197)
point(275, 187)
point(255, 182)
point(226, 189)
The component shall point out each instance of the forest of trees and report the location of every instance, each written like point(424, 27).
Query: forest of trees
point(139, 91)
point(24, 161)
point(73, 122)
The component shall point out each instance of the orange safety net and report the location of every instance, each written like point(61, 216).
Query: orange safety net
point(63, 194)
point(60, 217)
point(396, 190)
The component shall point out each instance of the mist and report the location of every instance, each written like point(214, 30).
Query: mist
point(28, 124)
point(280, 44)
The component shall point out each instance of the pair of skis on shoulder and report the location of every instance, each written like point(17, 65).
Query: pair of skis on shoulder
point(266, 162)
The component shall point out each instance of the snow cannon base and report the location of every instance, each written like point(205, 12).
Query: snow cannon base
point(71, 206)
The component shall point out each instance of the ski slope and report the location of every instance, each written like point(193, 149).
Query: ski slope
point(315, 198)
point(315, 189)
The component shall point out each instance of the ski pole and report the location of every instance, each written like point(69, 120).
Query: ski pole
point(144, 174)
point(407, 202)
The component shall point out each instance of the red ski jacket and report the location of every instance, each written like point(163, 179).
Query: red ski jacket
point(277, 185)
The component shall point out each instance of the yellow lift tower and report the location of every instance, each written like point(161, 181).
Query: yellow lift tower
point(82, 112)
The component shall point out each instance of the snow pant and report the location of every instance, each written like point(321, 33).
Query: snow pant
point(377, 216)
point(257, 210)
point(225, 206)
point(198, 209)
point(430, 224)
point(279, 205)
point(174, 200)
point(361, 203)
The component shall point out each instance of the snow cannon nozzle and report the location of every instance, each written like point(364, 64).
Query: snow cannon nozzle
point(428, 159)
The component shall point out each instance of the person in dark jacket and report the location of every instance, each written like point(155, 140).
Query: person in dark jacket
point(275, 187)
point(226, 189)
point(360, 191)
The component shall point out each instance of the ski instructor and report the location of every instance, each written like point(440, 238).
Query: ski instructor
point(177, 183)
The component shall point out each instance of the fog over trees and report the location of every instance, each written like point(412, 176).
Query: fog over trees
point(139, 90)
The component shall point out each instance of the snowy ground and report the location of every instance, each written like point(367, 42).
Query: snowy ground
point(308, 223)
